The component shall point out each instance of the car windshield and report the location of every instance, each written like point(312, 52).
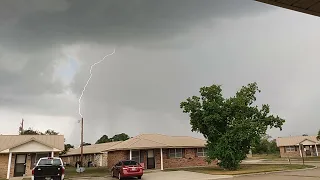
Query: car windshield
point(53, 162)
point(129, 163)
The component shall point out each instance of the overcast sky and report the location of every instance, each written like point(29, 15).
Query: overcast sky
point(165, 51)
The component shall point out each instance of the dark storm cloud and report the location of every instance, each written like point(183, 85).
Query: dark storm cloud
point(166, 50)
point(113, 22)
point(33, 33)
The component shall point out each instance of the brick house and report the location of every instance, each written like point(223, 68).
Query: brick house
point(296, 146)
point(19, 153)
point(95, 154)
point(153, 151)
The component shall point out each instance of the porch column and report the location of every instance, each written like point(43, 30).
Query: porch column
point(9, 165)
point(316, 149)
point(161, 159)
point(299, 150)
point(130, 156)
point(52, 154)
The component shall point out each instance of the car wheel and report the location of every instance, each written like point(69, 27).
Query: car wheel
point(119, 176)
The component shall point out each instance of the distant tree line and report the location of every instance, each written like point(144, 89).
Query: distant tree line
point(265, 146)
point(31, 131)
point(117, 137)
point(67, 147)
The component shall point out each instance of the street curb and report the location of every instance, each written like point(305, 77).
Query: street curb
point(273, 172)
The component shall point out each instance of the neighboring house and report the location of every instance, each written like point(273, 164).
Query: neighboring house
point(91, 154)
point(18, 153)
point(153, 151)
point(289, 146)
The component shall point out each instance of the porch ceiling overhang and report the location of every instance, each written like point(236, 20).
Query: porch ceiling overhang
point(311, 7)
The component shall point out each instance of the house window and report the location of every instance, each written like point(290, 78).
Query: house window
point(136, 156)
point(175, 153)
point(290, 149)
point(201, 152)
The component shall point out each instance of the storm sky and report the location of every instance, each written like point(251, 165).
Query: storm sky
point(166, 51)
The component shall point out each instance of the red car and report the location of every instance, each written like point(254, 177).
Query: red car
point(127, 169)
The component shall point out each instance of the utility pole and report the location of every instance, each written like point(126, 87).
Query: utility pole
point(81, 145)
point(21, 127)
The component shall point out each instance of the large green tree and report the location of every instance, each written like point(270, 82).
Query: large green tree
point(230, 125)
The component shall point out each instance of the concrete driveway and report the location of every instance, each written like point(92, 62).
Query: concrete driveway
point(296, 175)
point(172, 175)
point(182, 175)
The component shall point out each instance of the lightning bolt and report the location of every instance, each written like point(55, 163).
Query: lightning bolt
point(85, 86)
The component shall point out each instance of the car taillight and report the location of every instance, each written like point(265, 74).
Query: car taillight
point(62, 170)
point(125, 168)
point(32, 171)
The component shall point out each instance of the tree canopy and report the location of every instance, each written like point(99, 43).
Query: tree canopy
point(86, 144)
point(31, 131)
point(103, 139)
point(318, 136)
point(230, 125)
point(51, 132)
point(67, 147)
point(265, 146)
point(120, 137)
point(117, 137)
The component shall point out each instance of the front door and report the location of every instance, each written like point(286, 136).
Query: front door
point(20, 165)
point(150, 159)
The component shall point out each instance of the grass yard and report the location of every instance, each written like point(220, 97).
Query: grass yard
point(276, 157)
point(245, 169)
point(265, 156)
point(89, 172)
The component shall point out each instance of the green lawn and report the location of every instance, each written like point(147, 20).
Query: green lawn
point(245, 169)
point(276, 157)
point(89, 172)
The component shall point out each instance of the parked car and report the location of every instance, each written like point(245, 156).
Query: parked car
point(48, 168)
point(127, 169)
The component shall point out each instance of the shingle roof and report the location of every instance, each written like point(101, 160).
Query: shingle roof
point(145, 141)
point(92, 149)
point(11, 141)
point(294, 140)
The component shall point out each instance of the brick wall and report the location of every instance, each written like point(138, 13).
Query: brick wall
point(188, 160)
point(4, 158)
point(116, 156)
point(95, 158)
point(3, 165)
point(286, 154)
point(28, 166)
point(104, 157)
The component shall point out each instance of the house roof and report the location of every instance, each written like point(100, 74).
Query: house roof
point(92, 149)
point(12, 141)
point(145, 141)
point(294, 140)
